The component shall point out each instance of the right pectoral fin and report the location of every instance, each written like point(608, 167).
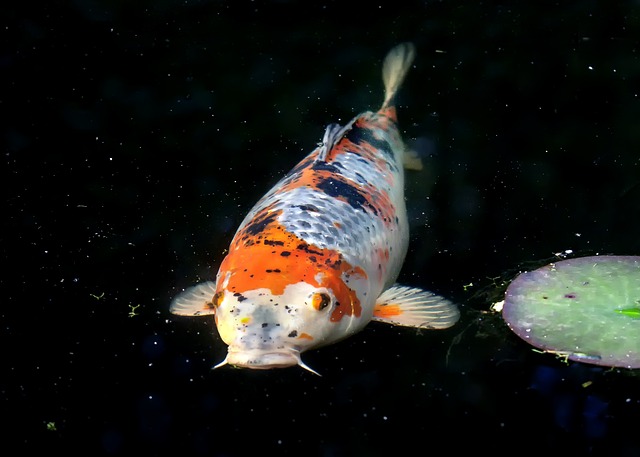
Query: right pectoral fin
point(195, 301)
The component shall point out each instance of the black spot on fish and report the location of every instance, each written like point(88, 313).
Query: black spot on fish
point(241, 297)
point(360, 178)
point(306, 248)
point(360, 135)
point(325, 166)
point(260, 223)
point(285, 253)
point(293, 334)
point(308, 208)
point(275, 270)
point(350, 193)
point(274, 243)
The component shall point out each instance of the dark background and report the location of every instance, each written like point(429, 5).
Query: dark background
point(136, 136)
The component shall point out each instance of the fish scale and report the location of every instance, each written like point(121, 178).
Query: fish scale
point(316, 259)
point(335, 226)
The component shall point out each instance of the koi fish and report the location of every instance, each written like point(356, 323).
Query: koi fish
point(317, 257)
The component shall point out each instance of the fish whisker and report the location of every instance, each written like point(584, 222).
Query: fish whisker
point(306, 367)
point(221, 364)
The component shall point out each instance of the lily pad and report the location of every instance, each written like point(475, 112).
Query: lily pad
point(586, 309)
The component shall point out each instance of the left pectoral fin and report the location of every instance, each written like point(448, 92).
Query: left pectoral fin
point(195, 301)
point(413, 307)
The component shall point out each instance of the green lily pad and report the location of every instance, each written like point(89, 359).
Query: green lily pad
point(586, 309)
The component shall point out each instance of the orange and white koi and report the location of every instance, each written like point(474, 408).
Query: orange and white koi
point(317, 257)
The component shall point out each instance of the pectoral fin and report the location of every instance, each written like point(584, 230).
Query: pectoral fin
point(195, 301)
point(413, 307)
point(411, 160)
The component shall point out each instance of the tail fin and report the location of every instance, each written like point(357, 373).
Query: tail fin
point(395, 68)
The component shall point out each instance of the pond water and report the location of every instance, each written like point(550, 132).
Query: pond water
point(136, 139)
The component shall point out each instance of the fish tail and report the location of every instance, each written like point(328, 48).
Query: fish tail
point(395, 68)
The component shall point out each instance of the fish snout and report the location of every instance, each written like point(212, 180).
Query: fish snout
point(264, 360)
point(261, 359)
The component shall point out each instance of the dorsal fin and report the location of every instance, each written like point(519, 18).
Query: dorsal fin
point(332, 135)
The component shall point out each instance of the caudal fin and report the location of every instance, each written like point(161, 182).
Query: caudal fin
point(395, 68)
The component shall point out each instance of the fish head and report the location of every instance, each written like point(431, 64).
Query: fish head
point(266, 330)
point(278, 296)
point(271, 326)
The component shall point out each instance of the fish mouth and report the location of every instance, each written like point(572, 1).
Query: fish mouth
point(263, 360)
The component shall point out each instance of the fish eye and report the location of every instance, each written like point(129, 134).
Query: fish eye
point(320, 300)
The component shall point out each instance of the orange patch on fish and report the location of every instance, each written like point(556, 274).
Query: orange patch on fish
point(387, 311)
point(275, 258)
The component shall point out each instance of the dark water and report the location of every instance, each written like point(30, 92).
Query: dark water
point(135, 139)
